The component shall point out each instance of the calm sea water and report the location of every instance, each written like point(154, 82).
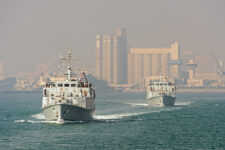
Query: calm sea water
point(122, 121)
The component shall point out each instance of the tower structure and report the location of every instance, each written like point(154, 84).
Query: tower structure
point(192, 81)
point(111, 57)
point(98, 60)
point(1, 71)
point(191, 69)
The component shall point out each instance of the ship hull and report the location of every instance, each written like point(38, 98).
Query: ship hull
point(161, 101)
point(61, 112)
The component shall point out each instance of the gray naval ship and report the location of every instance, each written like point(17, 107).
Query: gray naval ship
point(161, 93)
point(68, 99)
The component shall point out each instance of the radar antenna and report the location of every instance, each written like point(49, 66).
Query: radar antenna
point(68, 60)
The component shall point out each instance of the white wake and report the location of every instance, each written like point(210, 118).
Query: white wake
point(182, 103)
point(138, 104)
point(39, 116)
point(117, 116)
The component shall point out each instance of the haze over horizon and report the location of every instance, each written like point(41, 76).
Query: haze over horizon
point(36, 32)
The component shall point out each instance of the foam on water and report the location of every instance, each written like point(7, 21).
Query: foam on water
point(116, 116)
point(145, 104)
point(39, 116)
point(43, 121)
point(138, 104)
point(96, 118)
point(29, 121)
point(20, 121)
point(182, 103)
point(123, 115)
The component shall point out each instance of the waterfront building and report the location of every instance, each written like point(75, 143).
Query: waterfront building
point(111, 57)
point(150, 62)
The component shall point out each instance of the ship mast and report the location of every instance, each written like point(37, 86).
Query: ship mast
point(68, 59)
point(160, 77)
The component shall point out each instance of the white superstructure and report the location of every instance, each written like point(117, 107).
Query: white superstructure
point(161, 92)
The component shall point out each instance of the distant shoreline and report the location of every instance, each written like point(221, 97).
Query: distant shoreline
point(199, 90)
point(184, 90)
point(20, 92)
point(187, 90)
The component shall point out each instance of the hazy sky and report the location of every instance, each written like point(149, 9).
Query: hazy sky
point(37, 31)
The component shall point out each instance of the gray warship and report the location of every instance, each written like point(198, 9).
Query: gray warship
point(68, 98)
point(161, 92)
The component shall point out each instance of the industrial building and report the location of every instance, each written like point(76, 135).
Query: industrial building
point(111, 57)
point(145, 63)
point(201, 71)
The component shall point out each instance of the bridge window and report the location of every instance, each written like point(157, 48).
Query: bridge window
point(81, 84)
point(73, 85)
point(60, 85)
point(66, 85)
